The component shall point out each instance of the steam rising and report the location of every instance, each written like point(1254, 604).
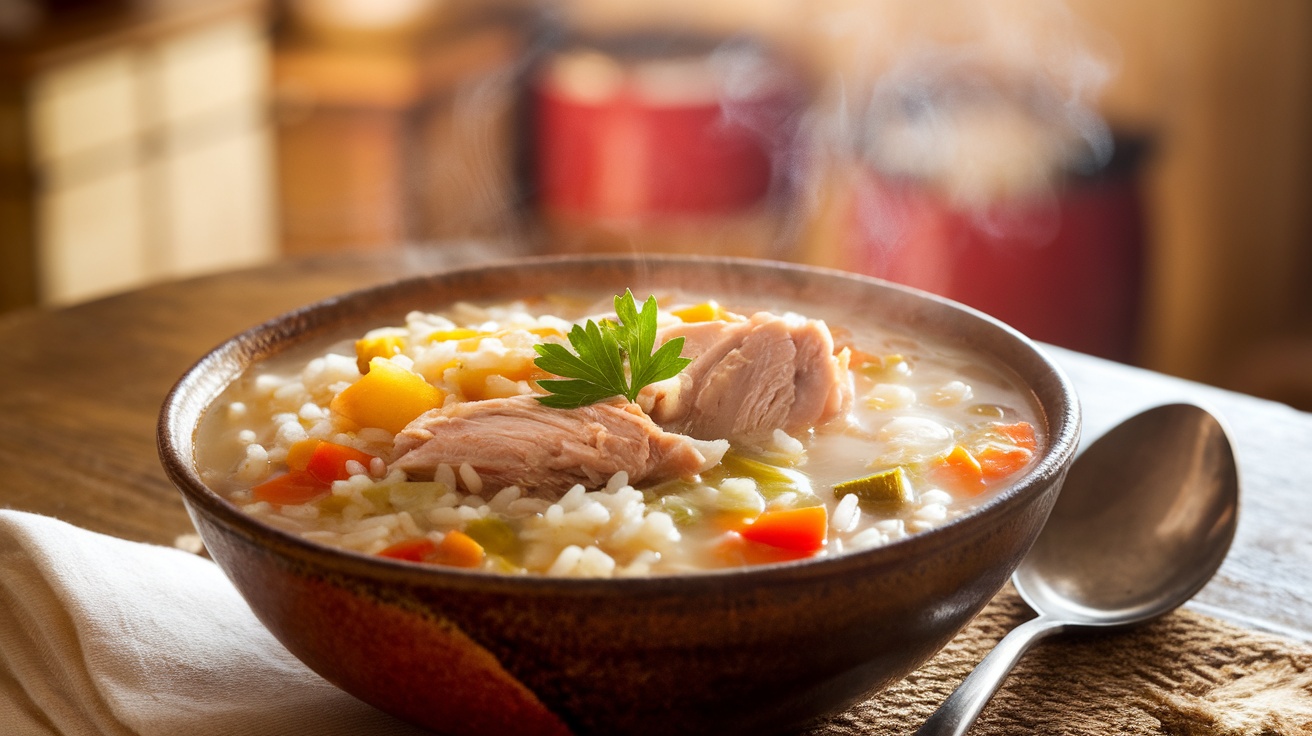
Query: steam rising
point(983, 100)
point(984, 104)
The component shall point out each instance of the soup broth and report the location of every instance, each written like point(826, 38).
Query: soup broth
point(399, 442)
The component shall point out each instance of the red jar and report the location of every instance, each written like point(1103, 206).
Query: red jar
point(663, 143)
point(1001, 193)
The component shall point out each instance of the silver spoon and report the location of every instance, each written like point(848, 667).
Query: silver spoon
point(1143, 521)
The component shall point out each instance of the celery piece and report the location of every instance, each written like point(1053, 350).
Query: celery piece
point(885, 492)
point(771, 480)
point(680, 509)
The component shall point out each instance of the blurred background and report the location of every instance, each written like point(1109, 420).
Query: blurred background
point(1128, 179)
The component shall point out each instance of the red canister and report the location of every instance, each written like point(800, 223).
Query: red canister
point(660, 142)
point(1008, 198)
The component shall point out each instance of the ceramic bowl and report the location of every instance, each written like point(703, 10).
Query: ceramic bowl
point(756, 650)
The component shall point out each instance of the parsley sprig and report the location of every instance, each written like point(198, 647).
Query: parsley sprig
point(610, 358)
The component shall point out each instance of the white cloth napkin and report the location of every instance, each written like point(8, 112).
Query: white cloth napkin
point(103, 636)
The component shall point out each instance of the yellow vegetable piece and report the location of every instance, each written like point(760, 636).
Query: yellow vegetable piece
point(704, 312)
point(494, 536)
point(368, 348)
point(388, 396)
point(298, 455)
point(469, 339)
point(473, 381)
point(459, 333)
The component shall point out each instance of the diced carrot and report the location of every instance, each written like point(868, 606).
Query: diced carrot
point(1021, 434)
point(959, 471)
point(292, 488)
point(328, 461)
point(388, 396)
point(998, 461)
point(458, 549)
point(732, 550)
point(801, 529)
point(298, 455)
point(418, 549)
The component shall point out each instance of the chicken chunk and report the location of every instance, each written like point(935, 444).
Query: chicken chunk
point(546, 451)
point(749, 378)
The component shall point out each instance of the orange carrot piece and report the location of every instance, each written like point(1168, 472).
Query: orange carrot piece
point(999, 461)
point(458, 549)
point(328, 461)
point(959, 471)
point(801, 529)
point(734, 551)
point(418, 549)
point(290, 489)
point(1021, 434)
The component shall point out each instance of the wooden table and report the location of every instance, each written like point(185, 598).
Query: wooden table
point(83, 386)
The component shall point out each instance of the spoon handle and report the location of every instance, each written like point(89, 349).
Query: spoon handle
point(955, 716)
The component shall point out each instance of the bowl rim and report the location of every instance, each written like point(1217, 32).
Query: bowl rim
point(179, 421)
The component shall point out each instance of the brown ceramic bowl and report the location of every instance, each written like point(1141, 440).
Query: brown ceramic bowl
point(757, 650)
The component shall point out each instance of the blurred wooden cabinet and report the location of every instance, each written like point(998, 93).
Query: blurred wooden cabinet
point(140, 153)
point(383, 144)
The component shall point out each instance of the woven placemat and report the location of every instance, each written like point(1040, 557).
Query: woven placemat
point(1185, 674)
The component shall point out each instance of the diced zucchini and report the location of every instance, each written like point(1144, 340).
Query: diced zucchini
point(885, 492)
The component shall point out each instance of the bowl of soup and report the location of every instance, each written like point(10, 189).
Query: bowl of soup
point(612, 494)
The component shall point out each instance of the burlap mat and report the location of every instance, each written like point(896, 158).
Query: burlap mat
point(1183, 675)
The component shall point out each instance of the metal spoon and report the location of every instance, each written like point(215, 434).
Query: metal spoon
point(1143, 521)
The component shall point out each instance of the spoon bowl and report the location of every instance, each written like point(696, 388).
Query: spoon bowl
point(1144, 520)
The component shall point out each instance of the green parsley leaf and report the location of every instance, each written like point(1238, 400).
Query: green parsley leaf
point(610, 358)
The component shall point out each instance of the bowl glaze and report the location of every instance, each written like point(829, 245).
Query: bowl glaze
point(758, 650)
